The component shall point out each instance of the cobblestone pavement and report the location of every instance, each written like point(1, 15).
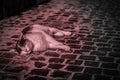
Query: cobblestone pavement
point(95, 48)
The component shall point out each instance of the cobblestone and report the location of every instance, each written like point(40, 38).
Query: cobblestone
point(90, 70)
point(35, 78)
point(16, 69)
point(68, 56)
point(74, 62)
point(98, 53)
point(109, 65)
point(55, 66)
point(60, 74)
point(114, 54)
point(87, 57)
point(53, 54)
point(56, 60)
point(39, 64)
point(80, 76)
point(91, 63)
point(106, 59)
point(42, 72)
point(95, 48)
point(4, 61)
point(40, 58)
point(111, 72)
point(74, 68)
point(102, 77)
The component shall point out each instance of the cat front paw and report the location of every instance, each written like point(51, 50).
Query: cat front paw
point(66, 48)
point(63, 33)
point(67, 33)
point(59, 34)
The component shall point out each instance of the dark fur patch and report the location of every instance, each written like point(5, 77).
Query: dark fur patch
point(18, 49)
point(26, 30)
point(22, 42)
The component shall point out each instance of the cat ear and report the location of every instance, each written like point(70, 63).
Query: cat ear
point(26, 29)
point(18, 48)
point(20, 36)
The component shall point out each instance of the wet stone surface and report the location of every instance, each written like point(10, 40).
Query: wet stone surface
point(95, 48)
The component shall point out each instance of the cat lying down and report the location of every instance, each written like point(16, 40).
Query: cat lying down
point(39, 38)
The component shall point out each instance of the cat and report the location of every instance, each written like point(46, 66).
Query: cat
point(39, 38)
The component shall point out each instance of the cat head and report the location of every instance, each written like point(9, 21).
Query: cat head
point(24, 46)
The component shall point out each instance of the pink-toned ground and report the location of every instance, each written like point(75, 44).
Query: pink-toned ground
point(95, 46)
